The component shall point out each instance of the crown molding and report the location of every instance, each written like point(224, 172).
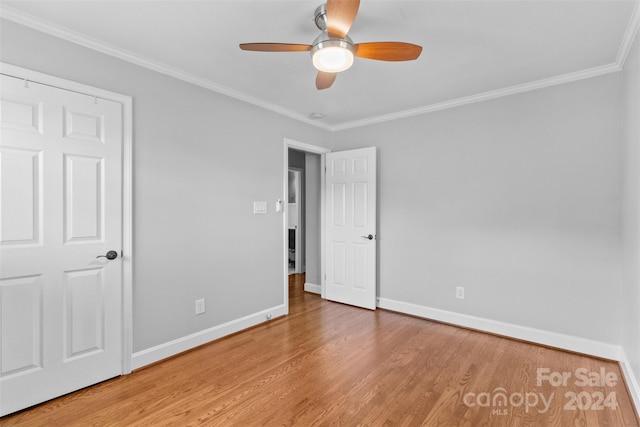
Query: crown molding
point(485, 96)
point(629, 36)
point(108, 49)
point(625, 47)
point(85, 41)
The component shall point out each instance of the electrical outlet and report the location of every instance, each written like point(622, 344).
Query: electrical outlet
point(459, 292)
point(200, 306)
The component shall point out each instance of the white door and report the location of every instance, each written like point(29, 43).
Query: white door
point(351, 227)
point(61, 207)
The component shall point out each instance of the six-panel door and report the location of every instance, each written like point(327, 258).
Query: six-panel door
point(60, 179)
point(351, 227)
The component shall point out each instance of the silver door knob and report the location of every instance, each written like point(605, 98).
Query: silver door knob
point(370, 237)
point(109, 255)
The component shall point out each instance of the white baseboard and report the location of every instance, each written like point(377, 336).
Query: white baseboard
point(630, 379)
point(314, 289)
point(171, 348)
point(538, 336)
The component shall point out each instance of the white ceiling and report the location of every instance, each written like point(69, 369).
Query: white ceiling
point(471, 49)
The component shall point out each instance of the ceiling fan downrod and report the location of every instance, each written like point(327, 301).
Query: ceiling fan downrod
point(320, 17)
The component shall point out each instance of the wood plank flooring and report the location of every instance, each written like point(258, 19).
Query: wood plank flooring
point(331, 364)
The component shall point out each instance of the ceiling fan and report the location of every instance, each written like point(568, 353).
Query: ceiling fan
point(333, 51)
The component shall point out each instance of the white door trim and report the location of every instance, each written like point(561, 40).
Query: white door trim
point(290, 143)
point(127, 187)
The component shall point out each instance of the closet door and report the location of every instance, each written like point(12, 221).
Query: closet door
point(61, 208)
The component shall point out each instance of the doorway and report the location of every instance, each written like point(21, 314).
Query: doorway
point(295, 209)
point(345, 184)
point(303, 165)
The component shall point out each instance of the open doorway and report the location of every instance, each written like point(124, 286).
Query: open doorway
point(303, 214)
point(296, 209)
point(343, 224)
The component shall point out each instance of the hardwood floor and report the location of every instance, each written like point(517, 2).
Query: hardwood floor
point(331, 364)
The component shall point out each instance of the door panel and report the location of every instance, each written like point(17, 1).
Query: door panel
point(339, 268)
point(83, 189)
point(351, 217)
point(338, 211)
point(21, 204)
point(61, 206)
point(22, 321)
point(83, 312)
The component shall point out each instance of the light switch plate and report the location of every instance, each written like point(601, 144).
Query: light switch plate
point(260, 208)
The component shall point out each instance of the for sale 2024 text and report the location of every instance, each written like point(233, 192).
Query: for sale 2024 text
point(582, 377)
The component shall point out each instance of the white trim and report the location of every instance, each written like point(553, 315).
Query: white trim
point(97, 45)
point(302, 146)
point(630, 380)
point(285, 224)
point(177, 346)
point(314, 289)
point(629, 36)
point(127, 235)
point(499, 93)
point(538, 336)
point(323, 267)
point(127, 187)
point(108, 49)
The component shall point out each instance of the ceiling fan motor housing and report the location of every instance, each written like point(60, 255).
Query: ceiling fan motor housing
point(320, 17)
point(325, 40)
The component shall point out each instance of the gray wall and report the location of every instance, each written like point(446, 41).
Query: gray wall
point(631, 208)
point(198, 168)
point(516, 199)
point(312, 218)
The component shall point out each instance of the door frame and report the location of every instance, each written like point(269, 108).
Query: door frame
point(307, 148)
point(127, 186)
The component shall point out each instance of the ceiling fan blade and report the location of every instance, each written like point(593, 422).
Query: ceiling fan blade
point(275, 47)
point(324, 80)
point(340, 16)
point(388, 51)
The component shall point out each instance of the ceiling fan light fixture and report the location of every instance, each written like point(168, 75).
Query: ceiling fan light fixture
point(333, 50)
point(333, 59)
point(332, 55)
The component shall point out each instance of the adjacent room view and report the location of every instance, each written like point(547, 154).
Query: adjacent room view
point(239, 213)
